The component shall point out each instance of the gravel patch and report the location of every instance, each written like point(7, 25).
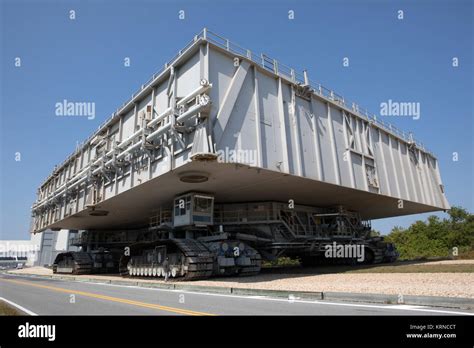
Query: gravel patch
point(420, 284)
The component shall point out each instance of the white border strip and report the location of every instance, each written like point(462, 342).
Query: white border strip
point(23, 309)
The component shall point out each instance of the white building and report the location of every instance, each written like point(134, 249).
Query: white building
point(41, 250)
point(13, 252)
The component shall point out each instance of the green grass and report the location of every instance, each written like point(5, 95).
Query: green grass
point(421, 266)
point(281, 262)
point(468, 255)
point(413, 268)
point(6, 309)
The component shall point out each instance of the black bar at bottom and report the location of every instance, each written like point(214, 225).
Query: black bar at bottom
point(286, 330)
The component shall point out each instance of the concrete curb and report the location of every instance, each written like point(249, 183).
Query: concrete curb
point(198, 288)
point(430, 301)
point(168, 286)
point(435, 301)
point(124, 282)
point(290, 295)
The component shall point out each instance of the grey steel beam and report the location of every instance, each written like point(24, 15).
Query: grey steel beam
point(258, 130)
point(294, 123)
point(337, 170)
point(317, 144)
point(230, 97)
point(284, 165)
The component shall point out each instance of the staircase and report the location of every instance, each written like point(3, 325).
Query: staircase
point(282, 233)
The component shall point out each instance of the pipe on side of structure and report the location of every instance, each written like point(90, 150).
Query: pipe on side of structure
point(129, 139)
point(193, 110)
point(160, 117)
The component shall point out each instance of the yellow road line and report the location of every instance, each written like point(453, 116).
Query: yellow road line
point(110, 298)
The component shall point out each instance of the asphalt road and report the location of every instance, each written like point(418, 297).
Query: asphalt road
point(60, 297)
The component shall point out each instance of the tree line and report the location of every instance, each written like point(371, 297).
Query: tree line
point(436, 237)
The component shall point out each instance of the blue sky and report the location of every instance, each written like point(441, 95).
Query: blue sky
point(82, 59)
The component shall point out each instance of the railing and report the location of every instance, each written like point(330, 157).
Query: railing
point(100, 239)
point(298, 227)
point(269, 64)
point(238, 216)
point(161, 217)
point(77, 241)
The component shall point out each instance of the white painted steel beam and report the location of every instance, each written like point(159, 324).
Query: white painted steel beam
point(337, 170)
point(317, 144)
point(284, 165)
point(258, 130)
point(230, 97)
point(295, 124)
point(347, 156)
